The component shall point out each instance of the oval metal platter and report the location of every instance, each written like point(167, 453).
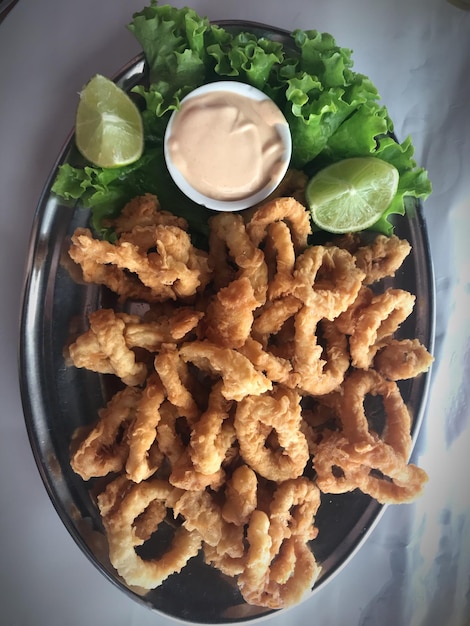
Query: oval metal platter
point(57, 399)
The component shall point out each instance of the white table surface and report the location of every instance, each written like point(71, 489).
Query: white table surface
point(414, 569)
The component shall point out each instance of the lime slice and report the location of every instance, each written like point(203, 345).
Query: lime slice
point(108, 125)
point(352, 194)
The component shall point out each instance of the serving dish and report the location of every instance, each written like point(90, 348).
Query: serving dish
point(57, 399)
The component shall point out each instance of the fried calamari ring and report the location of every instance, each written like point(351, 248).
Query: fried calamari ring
point(202, 514)
point(400, 360)
point(321, 371)
point(120, 505)
point(327, 279)
point(239, 376)
point(105, 448)
point(256, 417)
point(172, 431)
point(359, 457)
point(278, 583)
point(288, 210)
point(109, 353)
point(292, 511)
point(375, 469)
point(213, 433)
point(382, 258)
point(355, 425)
point(144, 455)
point(376, 322)
point(252, 580)
point(127, 286)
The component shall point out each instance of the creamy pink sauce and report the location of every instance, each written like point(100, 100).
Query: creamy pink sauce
point(226, 145)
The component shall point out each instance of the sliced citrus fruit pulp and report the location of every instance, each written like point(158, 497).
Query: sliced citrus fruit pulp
point(108, 125)
point(352, 194)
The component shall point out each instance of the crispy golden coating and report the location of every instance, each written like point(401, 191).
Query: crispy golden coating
point(154, 262)
point(285, 209)
point(240, 377)
point(240, 496)
point(231, 246)
point(327, 279)
point(120, 505)
point(213, 434)
point(382, 258)
point(104, 349)
point(256, 417)
point(400, 360)
point(252, 366)
point(230, 314)
point(105, 448)
point(377, 322)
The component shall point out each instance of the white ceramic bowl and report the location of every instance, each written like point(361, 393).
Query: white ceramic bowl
point(247, 91)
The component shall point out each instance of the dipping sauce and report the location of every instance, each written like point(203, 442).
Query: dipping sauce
point(226, 145)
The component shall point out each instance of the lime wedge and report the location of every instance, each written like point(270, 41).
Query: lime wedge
point(352, 194)
point(108, 125)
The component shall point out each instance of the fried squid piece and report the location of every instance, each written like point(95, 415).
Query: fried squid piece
point(273, 316)
point(279, 252)
point(230, 246)
point(288, 210)
point(276, 368)
point(346, 321)
point(170, 268)
point(358, 456)
point(285, 455)
point(382, 258)
point(374, 469)
point(275, 581)
point(121, 504)
point(327, 279)
point(152, 334)
point(213, 433)
point(240, 378)
point(144, 455)
point(355, 425)
point(175, 377)
point(144, 211)
point(201, 513)
point(292, 511)
point(377, 322)
point(229, 314)
point(240, 496)
point(105, 448)
point(321, 370)
point(103, 347)
point(402, 359)
point(172, 434)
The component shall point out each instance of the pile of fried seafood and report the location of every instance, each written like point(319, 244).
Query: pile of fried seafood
point(242, 391)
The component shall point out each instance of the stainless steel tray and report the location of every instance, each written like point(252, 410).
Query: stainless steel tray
point(57, 399)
